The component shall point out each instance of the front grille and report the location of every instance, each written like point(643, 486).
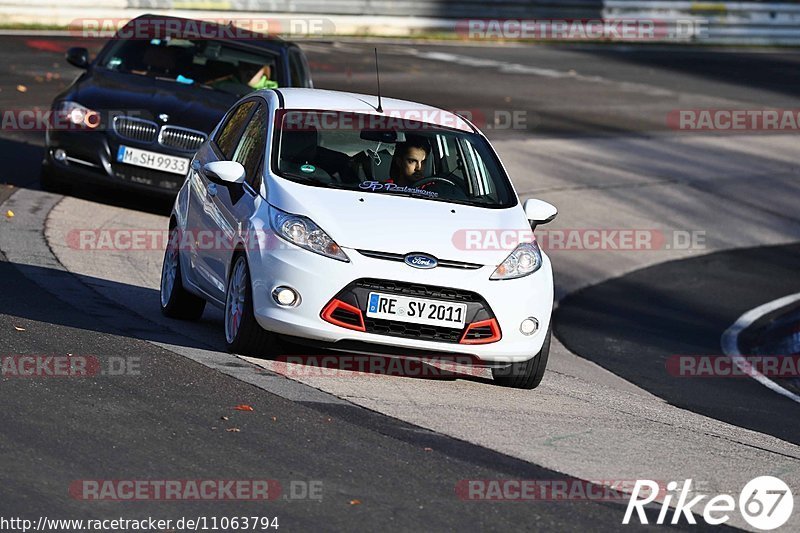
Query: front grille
point(356, 294)
point(147, 176)
point(135, 129)
point(407, 329)
point(181, 138)
point(388, 256)
point(414, 289)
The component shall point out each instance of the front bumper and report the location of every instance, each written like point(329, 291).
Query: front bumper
point(90, 161)
point(319, 279)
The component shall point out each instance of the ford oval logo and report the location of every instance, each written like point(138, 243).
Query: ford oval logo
point(421, 261)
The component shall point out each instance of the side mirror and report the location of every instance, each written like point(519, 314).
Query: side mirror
point(539, 212)
point(224, 172)
point(78, 57)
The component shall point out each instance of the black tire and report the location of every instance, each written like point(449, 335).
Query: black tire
point(527, 374)
point(178, 303)
point(249, 338)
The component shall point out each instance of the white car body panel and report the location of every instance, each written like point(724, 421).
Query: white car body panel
point(396, 224)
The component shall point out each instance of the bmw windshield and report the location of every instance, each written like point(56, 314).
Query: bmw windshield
point(206, 63)
point(390, 155)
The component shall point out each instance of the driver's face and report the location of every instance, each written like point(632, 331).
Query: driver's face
point(412, 163)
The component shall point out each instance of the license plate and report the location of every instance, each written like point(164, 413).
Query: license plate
point(417, 310)
point(154, 160)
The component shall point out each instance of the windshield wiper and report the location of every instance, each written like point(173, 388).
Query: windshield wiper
point(407, 194)
point(473, 203)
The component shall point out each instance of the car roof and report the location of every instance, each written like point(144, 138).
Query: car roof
point(251, 37)
point(326, 100)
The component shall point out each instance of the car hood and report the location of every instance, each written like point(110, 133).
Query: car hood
point(145, 97)
point(401, 225)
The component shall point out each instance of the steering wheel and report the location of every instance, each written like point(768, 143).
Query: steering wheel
point(432, 179)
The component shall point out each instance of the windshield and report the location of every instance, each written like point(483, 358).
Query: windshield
point(210, 64)
point(382, 155)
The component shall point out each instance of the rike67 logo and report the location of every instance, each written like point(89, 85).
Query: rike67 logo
point(765, 503)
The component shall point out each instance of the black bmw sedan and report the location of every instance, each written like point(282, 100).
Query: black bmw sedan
point(142, 107)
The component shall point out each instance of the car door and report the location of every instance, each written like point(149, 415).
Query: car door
point(206, 225)
point(236, 204)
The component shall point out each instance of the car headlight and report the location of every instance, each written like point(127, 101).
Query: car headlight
point(78, 115)
point(303, 232)
point(524, 260)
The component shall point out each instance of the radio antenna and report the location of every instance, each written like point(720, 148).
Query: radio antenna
point(379, 109)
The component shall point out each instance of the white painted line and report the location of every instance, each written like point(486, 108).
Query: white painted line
point(505, 67)
point(730, 342)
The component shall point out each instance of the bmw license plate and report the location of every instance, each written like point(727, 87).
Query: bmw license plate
point(416, 310)
point(154, 160)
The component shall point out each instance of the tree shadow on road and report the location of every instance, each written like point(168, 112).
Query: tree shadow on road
point(100, 309)
point(634, 324)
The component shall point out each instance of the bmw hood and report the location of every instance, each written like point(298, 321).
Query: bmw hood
point(396, 224)
point(145, 97)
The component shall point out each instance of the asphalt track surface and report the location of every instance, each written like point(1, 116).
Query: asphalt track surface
point(624, 314)
point(166, 423)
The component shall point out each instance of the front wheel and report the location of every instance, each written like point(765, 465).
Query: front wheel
point(49, 181)
point(527, 374)
point(243, 335)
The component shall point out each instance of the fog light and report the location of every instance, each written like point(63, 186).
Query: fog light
point(60, 155)
point(285, 296)
point(529, 326)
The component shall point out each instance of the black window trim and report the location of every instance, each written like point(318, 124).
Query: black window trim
point(259, 100)
point(263, 148)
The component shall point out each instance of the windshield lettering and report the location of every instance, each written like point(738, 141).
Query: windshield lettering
point(391, 187)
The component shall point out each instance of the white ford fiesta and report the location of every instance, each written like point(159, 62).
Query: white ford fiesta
point(359, 225)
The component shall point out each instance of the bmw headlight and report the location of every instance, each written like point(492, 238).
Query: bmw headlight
point(524, 260)
point(303, 232)
point(78, 115)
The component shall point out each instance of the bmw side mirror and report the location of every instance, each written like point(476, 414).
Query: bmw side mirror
point(78, 57)
point(224, 172)
point(539, 212)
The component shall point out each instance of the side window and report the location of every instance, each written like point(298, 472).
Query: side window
point(297, 68)
point(479, 183)
point(228, 134)
point(250, 150)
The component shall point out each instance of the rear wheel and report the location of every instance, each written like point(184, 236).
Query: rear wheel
point(527, 374)
point(243, 335)
point(177, 302)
